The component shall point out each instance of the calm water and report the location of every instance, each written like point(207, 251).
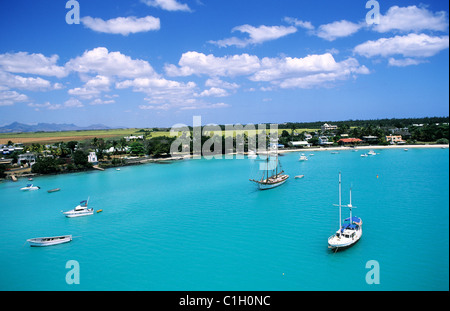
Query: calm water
point(201, 225)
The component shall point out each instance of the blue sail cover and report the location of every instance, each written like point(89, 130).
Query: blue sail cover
point(354, 219)
point(348, 225)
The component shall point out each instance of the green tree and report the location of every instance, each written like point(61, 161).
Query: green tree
point(45, 165)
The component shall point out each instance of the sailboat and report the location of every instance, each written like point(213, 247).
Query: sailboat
point(273, 175)
point(350, 231)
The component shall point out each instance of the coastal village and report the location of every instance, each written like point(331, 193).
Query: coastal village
point(25, 160)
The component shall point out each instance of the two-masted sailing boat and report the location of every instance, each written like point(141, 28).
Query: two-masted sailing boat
point(273, 175)
point(350, 231)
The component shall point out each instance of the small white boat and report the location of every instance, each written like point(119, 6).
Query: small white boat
point(371, 152)
point(30, 187)
point(406, 149)
point(48, 241)
point(303, 157)
point(299, 176)
point(80, 210)
point(53, 190)
point(350, 231)
point(364, 155)
point(334, 152)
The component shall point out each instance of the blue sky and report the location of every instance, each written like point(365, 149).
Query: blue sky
point(148, 63)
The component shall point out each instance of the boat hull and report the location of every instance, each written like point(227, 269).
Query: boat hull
point(49, 241)
point(72, 214)
point(343, 243)
point(266, 186)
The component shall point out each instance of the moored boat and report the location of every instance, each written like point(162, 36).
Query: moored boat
point(350, 231)
point(303, 157)
point(273, 175)
point(80, 210)
point(48, 241)
point(30, 187)
point(53, 190)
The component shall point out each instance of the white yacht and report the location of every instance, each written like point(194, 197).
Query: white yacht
point(303, 157)
point(80, 210)
point(30, 187)
point(350, 231)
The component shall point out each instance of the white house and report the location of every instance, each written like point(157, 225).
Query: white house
point(92, 158)
point(28, 157)
point(323, 140)
point(327, 127)
point(300, 144)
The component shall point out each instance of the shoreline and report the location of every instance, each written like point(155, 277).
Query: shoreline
point(364, 148)
point(139, 161)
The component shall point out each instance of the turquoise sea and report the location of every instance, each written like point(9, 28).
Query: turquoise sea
point(201, 225)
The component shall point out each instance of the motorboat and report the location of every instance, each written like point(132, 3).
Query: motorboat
point(80, 210)
point(303, 157)
point(30, 187)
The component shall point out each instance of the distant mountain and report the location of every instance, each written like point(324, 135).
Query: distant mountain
point(17, 127)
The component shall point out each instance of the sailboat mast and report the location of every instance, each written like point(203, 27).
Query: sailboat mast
point(340, 219)
point(350, 205)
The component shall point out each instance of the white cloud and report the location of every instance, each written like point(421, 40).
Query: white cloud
point(105, 63)
point(99, 101)
point(312, 70)
point(337, 29)
point(8, 81)
point(195, 63)
point(256, 35)
point(412, 45)
point(168, 5)
point(299, 23)
point(214, 92)
point(122, 25)
point(216, 82)
point(404, 62)
point(46, 105)
point(8, 98)
point(73, 103)
point(23, 62)
point(412, 18)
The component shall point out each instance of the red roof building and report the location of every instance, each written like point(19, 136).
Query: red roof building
point(349, 141)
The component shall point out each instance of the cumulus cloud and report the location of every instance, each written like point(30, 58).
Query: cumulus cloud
point(101, 61)
point(36, 63)
point(195, 63)
point(122, 25)
point(46, 105)
point(8, 98)
point(411, 45)
point(299, 23)
point(412, 18)
point(168, 5)
point(338, 29)
point(404, 62)
point(256, 35)
point(8, 81)
point(312, 70)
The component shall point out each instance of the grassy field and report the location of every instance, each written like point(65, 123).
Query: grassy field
point(114, 134)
